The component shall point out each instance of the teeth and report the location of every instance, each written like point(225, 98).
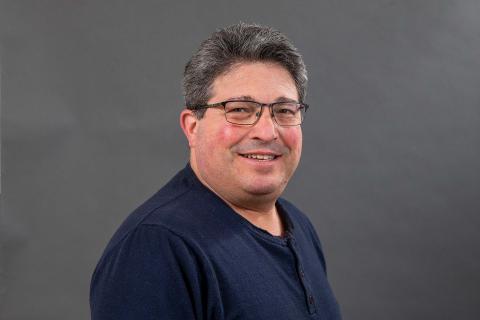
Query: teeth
point(259, 156)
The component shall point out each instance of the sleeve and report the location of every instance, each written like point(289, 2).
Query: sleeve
point(151, 274)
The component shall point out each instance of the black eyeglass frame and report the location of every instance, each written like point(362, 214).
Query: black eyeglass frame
point(269, 105)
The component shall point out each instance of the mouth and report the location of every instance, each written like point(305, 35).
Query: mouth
point(260, 157)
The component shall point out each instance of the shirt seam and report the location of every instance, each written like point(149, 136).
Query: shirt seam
point(191, 246)
point(127, 234)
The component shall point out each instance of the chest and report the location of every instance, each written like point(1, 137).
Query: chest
point(260, 279)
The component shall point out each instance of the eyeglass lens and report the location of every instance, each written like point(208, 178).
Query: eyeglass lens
point(247, 112)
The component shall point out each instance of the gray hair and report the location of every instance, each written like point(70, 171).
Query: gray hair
point(238, 43)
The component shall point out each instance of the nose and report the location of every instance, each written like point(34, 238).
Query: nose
point(265, 128)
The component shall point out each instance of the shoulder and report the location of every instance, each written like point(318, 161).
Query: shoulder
point(182, 208)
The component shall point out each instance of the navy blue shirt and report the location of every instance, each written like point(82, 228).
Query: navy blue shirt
point(185, 254)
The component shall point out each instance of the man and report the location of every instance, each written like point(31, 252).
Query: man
point(217, 242)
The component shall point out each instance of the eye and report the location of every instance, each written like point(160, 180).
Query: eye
point(237, 110)
point(238, 107)
point(286, 109)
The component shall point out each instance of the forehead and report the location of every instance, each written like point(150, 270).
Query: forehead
point(262, 81)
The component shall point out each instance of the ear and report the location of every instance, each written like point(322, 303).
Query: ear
point(188, 122)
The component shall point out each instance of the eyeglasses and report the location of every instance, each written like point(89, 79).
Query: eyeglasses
point(244, 112)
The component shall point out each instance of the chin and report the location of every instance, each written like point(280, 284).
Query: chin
point(265, 189)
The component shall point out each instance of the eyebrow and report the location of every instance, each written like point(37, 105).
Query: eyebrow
point(279, 99)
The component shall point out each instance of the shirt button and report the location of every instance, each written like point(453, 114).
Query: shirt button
point(302, 274)
point(310, 299)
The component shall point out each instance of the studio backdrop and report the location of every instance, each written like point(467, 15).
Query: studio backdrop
point(390, 172)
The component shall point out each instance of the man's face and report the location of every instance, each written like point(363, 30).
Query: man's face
point(219, 149)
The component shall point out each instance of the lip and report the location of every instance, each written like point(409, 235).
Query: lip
point(262, 162)
point(261, 152)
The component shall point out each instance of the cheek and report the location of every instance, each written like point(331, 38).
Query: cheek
point(293, 140)
point(228, 136)
point(217, 141)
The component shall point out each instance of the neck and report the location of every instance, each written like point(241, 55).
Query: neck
point(269, 221)
point(261, 211)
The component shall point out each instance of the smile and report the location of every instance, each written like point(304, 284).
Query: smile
point(262, 157)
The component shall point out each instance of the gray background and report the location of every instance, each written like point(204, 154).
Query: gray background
point(390, 173)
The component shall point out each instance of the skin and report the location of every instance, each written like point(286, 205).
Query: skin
point(249, 186)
